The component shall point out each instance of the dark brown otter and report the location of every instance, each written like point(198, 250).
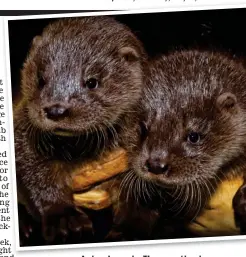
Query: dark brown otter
point(80, 85)
point(194, 127)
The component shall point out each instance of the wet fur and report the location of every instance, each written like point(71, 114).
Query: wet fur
point(68, 52)
point(189, 91)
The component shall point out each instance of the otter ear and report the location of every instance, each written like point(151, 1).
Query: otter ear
point(129, 54)
point(36, 41)
point(227, 102)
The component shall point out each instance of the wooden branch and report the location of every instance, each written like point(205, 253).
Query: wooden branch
point(96, 172)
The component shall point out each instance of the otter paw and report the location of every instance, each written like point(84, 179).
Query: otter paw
point(27, 227)
point(239, 206)
point(70, 227)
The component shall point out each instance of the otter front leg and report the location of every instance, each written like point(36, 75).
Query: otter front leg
point(29, 231)
point(239, 206)
point(49, 198)
point(60, 220)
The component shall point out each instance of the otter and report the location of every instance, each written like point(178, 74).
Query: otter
point(81, 83)
point(193, 128)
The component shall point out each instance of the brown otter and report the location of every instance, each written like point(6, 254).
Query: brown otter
point(194, 127)
point(80, 85)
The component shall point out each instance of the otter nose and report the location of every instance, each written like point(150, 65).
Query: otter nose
point(56, 112)
point(156, 166)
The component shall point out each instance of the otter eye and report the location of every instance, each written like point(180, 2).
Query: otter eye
point(194, 137)
point(91, 83)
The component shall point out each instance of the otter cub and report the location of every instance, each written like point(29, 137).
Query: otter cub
point(194, 127)
point(80, 86)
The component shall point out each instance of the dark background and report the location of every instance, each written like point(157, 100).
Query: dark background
point(160, 32)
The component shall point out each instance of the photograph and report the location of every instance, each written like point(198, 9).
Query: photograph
point(129, 126)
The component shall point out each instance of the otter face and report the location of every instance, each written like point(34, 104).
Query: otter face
point(191, 130)
point(82, 75)
point(186, 144)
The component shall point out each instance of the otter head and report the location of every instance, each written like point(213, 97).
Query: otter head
point(82, 74)
point(195, 120)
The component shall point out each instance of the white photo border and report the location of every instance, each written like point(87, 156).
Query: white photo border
point(11, 129)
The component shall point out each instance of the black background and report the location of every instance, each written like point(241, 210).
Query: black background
point(160, 32)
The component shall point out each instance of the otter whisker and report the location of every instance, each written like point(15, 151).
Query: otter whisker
point(176, 202)
point(184, 201)
point(149, 189)
point(143, 192)
point(198, 201)
point(192, 198)
point(125, 181)
point(138, 191)
point(207, 187)
point(130, 185)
